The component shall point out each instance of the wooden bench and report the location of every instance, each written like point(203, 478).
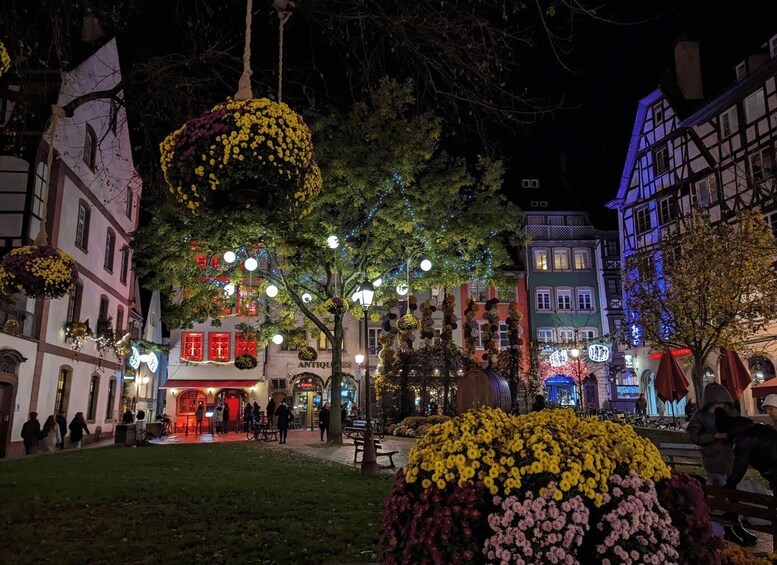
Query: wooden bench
point(358, 444)
point(268, 434)
point(735, 503)
point(681, 454)
point(355, 430)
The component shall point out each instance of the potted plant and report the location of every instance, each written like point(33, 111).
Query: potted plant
point(245, 362)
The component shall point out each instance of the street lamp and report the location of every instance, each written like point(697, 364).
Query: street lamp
point(365, 295)
point(575, 353)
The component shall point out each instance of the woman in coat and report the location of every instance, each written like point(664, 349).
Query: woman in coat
point(77, 428)
point(51, 436)
point(282, 415)
point(218, 417)
point(323, 421)
point(717, 452)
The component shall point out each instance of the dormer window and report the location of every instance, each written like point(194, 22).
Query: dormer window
point(90, 147)
point(741, 71)
point(658, 114)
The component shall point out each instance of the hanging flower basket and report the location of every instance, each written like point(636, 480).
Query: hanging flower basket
point(307, 353)
point(248, 153)
point(245, 362)
point(336, 305)
point(39, 271)
point(408, 323)
point(5, 59)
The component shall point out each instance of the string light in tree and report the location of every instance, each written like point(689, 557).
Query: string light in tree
point(251, 264)
point(272, 291)
point(333, 242)
point(307, 298)
point(230, 257)
point(277, 339)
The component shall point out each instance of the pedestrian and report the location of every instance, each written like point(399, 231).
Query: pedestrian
point(77, 428)
point(31, 434)
point(717, 454)
point(770, 405)
point(343, 415)
point(199, 415)
point(218, 417)
point(690, 409)
point(539, 403)
point(640, 406)
point(51, 436)
point(62, 422)
point(248, 416)
point(141, 415)
point(323, 421)
point(225, 416)
point(271, 413)
point(127, 417)
point(258, 414)
point(282, 417)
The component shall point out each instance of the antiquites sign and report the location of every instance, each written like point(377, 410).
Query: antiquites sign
point(321, 365)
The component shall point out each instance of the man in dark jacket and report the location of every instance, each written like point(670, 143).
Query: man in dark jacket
point(716, 452)
point(31, 434)
point(755, 445)
point(271, 412)
point(62, 422)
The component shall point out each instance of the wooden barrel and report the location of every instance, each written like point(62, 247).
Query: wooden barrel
point(479, 387)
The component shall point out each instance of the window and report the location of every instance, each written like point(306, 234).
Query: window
point(111, 399)
point(585, 300)
point(506, 294)
point(658, 114)
point(90, 148)
point(110, 246)
point(561, 259)
point(661, 159)
point(483, 329)
point(63, 390)
point(530, 183)
point(612, 248)
point(667, 210)
point(278, 384)
point(545, 335)
point(566, 335)
point(245, 344)
point(773, 46)
point(646, 268)
point(504, 336)
point(218, 346)
point(755, 106)
point(82, 227)
point(541, 260)
point(74, 303)
point(543, 300)
point(129, 203)
point(729, 122)
point(741, 71)
point(613, 286)
point(294, 340)
point(373, 335)
point(564, 299)
point(478, 290)
point(323, 342)
point(587, 334)
point(643, 219)
point(706, 192)
point(582, 259)
point(762, 164)
point(103, 312)
point(191, 346)
point(120, 321)
point(39, 194)
point(94, 391)
point(125, 253)
point(188, 401)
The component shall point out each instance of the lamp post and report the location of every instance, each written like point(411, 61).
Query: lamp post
point(359, 358)
point(575, 353)
point(365, 294)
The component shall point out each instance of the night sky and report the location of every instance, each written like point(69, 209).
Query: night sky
point(615, 67)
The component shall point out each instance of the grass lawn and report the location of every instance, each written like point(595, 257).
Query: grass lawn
point(222, 503)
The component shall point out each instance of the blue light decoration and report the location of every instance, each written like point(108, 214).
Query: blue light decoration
point(636, 334)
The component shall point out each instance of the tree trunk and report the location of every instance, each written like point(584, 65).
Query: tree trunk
point(698, 375)
point(335, 423)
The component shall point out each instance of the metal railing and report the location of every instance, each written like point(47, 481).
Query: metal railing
point(542, 233)
point(24, 319)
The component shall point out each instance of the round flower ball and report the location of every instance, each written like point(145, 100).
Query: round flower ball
point(245, 362)
point(408, 323)
point(246, 153)
point(38, 271)
point(5, 59)
point(307, 353)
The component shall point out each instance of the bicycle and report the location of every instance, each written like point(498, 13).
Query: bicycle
point(253, 430)
point(378, 429)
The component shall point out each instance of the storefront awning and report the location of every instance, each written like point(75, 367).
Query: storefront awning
point(765, 388)
point(209, 383)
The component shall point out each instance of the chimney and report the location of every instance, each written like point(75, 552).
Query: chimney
point(687, 64)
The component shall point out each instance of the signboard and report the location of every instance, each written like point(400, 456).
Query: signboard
point(674, 352)
point(558, 358)
point(598, 353)
point(321, 365)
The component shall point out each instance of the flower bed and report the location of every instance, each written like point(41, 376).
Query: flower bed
point(39, 271)
point(546, 487)
point(414, 426)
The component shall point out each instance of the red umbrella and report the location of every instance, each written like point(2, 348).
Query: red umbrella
point(765, 388)
point(733, 373)
point(671, 383)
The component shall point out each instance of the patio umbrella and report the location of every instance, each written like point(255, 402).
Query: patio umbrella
point(671, 383)
point(733, 373)
point(765, 388)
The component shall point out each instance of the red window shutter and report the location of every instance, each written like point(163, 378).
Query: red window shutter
point(218, 346)
point(244, 344)
point(191, 346)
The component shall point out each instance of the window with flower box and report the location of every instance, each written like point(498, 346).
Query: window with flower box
point(192, 345)
point(218, 346)
point(245, 344)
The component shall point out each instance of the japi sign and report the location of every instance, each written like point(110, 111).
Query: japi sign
point(674, 352)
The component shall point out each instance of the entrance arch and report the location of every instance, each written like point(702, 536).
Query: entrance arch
point(591, 392)
point(10, 359)
point(306, 392)
point(235, 398)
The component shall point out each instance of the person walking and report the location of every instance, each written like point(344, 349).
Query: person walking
point(248, 416)
point(77, 428)
point(225, 417)
point(282, 417)
point(640, 406)
point(218, 418)
point(51, 436)
point(62, 422)
point(539, 403)
point(717, 453)
point(31, 434)
point(271, 413)
point(323, 421)
point(199, 415)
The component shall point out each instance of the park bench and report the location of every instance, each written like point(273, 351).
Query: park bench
point(734, 503)
point(356, 429)
point(267, 433)
point(681, 454)
point(358, 444)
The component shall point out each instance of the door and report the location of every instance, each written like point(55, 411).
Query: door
point(6, 412)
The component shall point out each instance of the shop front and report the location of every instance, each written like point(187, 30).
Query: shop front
point(307, 394)
point(561, 390)
point(349, 393)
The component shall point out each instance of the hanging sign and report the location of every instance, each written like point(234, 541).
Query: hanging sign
point(598, 353)
point(558, 358)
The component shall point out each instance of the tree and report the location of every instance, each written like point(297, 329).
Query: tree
point(389, 194)
point(711, 286)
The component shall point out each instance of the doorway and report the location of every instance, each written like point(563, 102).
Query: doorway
point(561, 390)
point(6, 413)
point(234, 398)
point(307, 396)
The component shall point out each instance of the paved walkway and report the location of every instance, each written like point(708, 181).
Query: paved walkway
point(309, 443)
